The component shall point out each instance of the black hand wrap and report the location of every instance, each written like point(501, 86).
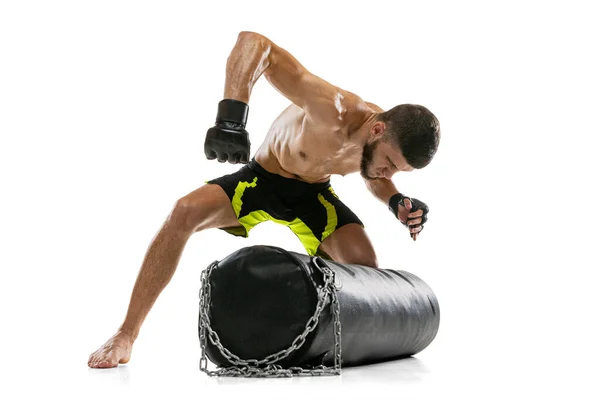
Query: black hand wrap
point(398, 200)
point(228, 139)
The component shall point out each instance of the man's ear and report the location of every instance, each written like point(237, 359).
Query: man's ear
point(378, 129)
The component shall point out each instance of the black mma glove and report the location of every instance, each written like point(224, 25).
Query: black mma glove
point(228, 139)
point(398, 200)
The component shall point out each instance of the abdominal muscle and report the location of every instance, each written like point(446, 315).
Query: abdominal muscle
point(293, 150)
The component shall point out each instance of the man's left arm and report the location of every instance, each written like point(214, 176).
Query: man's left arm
point(411, 212)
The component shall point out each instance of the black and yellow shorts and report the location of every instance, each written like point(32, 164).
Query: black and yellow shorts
point(311, 210)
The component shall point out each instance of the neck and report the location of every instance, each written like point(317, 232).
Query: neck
point(362, 129)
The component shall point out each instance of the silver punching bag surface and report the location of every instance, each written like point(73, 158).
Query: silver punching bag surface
point(261, 298)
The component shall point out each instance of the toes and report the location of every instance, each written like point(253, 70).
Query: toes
point(92, 360)
point(103, 361)
point(106, 364)
point(93, 363)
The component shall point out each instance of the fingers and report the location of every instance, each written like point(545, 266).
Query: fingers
point(222, 157)
point(415, 214)
point(416, 226)
point(235, 158)
point(415, 221)
point(211, 155)
point(416, 229)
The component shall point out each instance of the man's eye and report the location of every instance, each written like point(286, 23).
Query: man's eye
point(391, 164)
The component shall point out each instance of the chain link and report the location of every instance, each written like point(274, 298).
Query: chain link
point(267, 367)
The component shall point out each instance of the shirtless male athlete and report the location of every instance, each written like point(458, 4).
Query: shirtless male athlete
point(326, 131)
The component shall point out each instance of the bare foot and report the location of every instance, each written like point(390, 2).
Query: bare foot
point(116, 350)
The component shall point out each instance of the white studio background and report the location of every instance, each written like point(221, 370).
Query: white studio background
point(103, 111)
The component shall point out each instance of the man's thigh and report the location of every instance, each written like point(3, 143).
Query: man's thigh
point(337, 231)
point(349, 245)
point(204, 208)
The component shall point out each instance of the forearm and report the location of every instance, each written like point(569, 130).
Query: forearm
point(382, 188)
point(247, 62)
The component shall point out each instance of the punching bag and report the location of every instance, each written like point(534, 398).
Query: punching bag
point(265, 311)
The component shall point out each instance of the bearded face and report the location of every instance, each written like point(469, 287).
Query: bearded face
point(367, 159)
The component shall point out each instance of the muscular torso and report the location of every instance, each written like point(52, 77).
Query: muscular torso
point(296, 147)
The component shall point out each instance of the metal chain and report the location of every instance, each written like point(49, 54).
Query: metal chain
point(267, 367)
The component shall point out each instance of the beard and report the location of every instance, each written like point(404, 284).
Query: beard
point(367, 158)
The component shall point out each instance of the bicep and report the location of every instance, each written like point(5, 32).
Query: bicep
point(321, 100)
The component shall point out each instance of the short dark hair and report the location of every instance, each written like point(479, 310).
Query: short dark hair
point(415, 130)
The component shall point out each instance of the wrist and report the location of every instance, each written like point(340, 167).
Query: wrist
point(232, 111)
point(238, 95)
point(394, 201)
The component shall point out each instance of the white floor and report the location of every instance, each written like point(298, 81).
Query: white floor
point(446, 370)
point(522, 347)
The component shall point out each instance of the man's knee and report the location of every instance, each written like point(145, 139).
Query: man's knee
point(367, 259)
point(359, 255)
point(350, 245)
point(206, 207)
point(186, 214)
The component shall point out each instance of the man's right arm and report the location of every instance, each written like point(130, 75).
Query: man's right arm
point(254, 55)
